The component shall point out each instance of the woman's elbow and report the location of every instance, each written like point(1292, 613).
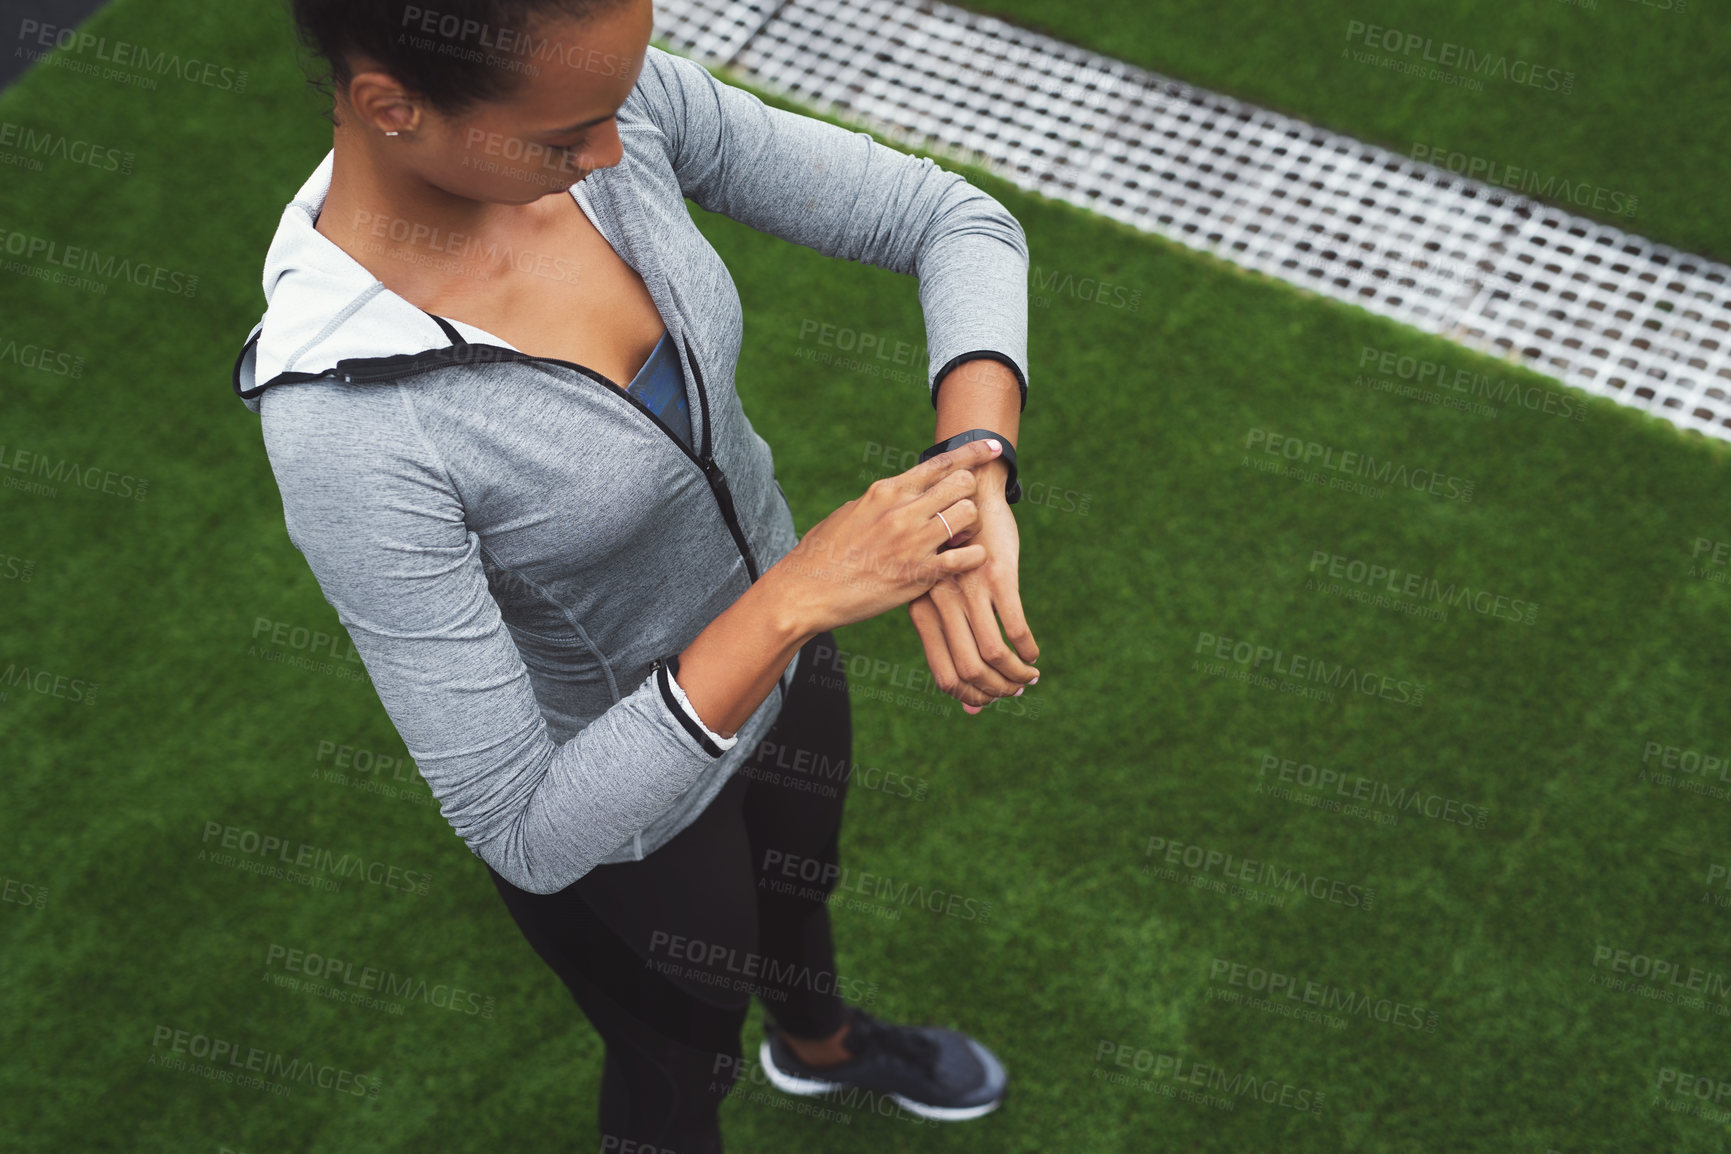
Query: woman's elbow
point(515, 867)
point(976, 212)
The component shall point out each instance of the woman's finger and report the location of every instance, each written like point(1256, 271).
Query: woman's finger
point(1007, 597)
point(982, 591)
point(930, 627)
point(986, 683)
point(957, 485)
point(954, 525)
point(929, 473)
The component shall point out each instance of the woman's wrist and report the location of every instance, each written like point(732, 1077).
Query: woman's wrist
point(795, 608)
point(730, 667)
point(991, 479)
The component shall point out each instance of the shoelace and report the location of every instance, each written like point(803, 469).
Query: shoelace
point(907, 1044)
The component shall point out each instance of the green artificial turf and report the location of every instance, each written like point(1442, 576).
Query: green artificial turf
point(1065, 948)
point(1636, 140)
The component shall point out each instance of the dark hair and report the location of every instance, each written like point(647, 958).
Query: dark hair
point(454, 53)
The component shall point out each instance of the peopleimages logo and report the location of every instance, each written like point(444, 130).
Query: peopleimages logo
point(843, 880)
point(1353, 788)
point(816, 772)
point(36, 143)
point(1048, 283)
point(1526, 181)
point(1403, 583)
point(1638, 965)
point(124, 54)
point(1700, 1086)
point(1451, 55)
point(360, 979)
point(1240, 1084)
point(23, 893)
point(251, 844)
point(1361, 465)
point(721, 965)
point(89, 261)
point(1326, 996)
point(1249, 870)
point(503, 46)
point(1304, 668)
point(74, 689)
point(1690, 761)
point(40, 358)
point(1438, 377)
point(470, 254)
point(867, 344)
point(232, 1059)
point(92, 477)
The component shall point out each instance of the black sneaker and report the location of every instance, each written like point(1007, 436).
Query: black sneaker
point(926, 1070)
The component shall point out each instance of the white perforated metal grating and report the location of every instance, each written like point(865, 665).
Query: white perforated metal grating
point(1598, 308)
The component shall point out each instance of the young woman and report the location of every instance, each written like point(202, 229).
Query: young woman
point(583, 603)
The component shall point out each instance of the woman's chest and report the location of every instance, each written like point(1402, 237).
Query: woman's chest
point(585, 510)
point(566, 481)
point(560, 292)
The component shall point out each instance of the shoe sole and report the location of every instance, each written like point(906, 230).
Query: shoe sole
point(809, 1087)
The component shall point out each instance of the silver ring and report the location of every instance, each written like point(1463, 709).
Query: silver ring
point(947, 528)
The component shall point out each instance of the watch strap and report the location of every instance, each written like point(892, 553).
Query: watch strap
point(1012, 486)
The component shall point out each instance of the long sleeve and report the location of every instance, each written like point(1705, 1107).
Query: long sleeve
point(369, 504)
point(845, 195)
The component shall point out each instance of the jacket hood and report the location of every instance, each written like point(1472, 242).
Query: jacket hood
point(323, 309)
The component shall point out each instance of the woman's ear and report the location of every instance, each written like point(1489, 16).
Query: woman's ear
point(382, 104)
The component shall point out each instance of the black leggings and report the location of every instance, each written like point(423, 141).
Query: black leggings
point(664, 954)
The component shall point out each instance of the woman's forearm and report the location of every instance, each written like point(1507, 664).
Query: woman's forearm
point(981, 394)
point(730, 667)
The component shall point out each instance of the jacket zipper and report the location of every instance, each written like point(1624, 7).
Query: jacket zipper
point(703, 459)
point(717, 479)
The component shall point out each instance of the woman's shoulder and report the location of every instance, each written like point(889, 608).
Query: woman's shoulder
point(670, 91)
point(344, 430)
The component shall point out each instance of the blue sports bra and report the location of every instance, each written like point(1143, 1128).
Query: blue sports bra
point(660, 385)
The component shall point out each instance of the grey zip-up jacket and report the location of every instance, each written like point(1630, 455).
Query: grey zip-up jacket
point(516, 545)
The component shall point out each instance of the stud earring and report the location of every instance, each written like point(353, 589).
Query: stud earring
point(392, 132)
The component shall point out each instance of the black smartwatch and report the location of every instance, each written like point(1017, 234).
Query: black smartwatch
point(1012, 487)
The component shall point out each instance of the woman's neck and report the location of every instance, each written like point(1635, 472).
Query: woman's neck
point(408, 233)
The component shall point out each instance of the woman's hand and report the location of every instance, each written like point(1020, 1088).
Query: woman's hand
point(881, 550)
point(955, 619)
